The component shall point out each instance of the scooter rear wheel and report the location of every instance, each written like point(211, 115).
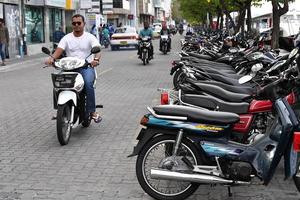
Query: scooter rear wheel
point(152, 155)
point(63, 124)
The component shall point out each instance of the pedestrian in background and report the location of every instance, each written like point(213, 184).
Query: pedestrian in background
point(58, 34)
point(94, 30)
point(111, 30)
point(4, 40)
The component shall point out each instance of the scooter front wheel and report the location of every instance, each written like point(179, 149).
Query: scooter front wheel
point(63, 124)
point(153, 155)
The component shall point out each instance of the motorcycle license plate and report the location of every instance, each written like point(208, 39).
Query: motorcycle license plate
point(144, 50)
point(123, 42)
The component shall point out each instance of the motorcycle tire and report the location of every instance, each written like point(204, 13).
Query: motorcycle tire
point(144, 58)
point(176, 78)
point(86, 123)
point(296, 177)
point(63, 124)
point(186, 49)
point(145, 182)
point(165, 49)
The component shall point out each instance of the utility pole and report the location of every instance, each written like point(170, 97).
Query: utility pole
point(101, 7)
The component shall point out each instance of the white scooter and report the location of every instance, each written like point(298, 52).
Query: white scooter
point(69, 95)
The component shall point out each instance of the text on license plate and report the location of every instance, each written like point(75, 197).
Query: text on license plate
point(123, 42)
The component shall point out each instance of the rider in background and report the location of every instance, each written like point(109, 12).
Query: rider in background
point(189, 30)
point(146, 32)
point(165, 31)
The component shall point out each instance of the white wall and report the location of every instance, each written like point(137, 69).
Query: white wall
point(266, 8)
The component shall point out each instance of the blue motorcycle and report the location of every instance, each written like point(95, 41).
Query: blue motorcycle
point(181, 147)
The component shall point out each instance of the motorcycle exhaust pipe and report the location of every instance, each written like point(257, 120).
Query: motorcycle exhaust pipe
point(197, 178)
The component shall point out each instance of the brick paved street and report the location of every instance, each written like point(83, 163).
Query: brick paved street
point(94, 165)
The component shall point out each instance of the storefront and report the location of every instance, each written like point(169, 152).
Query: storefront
point(9, 11)
point(34, 22)
point(55, 15)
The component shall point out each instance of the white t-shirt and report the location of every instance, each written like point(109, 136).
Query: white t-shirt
point(79, 47)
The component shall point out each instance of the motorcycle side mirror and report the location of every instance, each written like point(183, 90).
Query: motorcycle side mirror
point(245, 79)
point(95, 50)
point(257, 67)
point(45, 50)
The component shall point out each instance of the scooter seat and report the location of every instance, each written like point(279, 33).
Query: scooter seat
point(200, 56)
point(214, 103)
point(232, 88)
point(224, 94)
point(196, 114)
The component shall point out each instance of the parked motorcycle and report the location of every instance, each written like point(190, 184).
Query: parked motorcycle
point(165, 40)
point(69, 95)
point(180, 31)
point(145, 45)
point(181, 147)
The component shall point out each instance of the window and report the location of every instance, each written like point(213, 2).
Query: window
point(55, 21)
point(117, 3)
point(34, 23)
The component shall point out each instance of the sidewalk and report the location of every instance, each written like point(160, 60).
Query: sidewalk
point(25, 61)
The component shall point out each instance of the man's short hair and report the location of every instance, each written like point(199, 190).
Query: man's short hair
point(78, 15)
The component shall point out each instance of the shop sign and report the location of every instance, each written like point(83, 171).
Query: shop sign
point(35, 2)
point(10, 1)
point(56, 3)
point(1, 11)
point(72, 4)
point(85, 4)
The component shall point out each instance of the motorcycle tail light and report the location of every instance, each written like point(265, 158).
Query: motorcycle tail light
point(291, 98)
point(164, 98)
point(144, 120)
point(296, 142)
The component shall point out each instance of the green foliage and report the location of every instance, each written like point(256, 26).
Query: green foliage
point(176, 13)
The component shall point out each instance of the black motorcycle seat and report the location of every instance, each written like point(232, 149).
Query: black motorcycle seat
point(224, 79)
point(223, 94)
point(214, 103)
point(207, 62)
point(197, 115)
point(213, 69)
point(232, 88)
point(201, 56)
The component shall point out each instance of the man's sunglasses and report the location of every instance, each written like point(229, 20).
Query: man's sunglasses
point(76, 23)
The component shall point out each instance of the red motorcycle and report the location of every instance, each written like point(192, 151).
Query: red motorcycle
point(254, 116)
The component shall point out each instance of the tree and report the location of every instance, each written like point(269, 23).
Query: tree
point(176, 13)
point(278, 11)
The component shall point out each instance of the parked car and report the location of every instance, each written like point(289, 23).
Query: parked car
point(156, 29)
point(124, 37)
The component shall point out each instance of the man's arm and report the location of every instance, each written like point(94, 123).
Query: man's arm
point(58, 52)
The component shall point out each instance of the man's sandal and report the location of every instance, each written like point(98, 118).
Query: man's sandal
point(96, 117)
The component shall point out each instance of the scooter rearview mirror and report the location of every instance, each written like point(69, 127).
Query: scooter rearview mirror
point(95, 50)
point(45, 50)
point(245, 79)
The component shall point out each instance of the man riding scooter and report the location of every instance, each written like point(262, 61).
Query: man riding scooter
point(165, 31)
point(146, 32)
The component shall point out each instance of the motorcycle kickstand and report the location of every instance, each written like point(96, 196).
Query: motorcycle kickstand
point(229, 191)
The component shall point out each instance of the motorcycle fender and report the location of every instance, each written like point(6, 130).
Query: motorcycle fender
point(144, 136)
point(65, 96)
point(174, 69)
point(291, 161)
